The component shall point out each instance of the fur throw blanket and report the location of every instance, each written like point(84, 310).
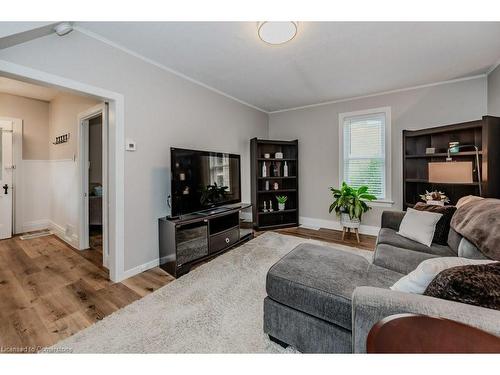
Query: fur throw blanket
point(479, 222)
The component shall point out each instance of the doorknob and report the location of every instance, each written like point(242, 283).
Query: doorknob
point(6, 188)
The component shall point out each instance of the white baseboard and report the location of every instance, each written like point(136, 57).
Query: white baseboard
point(60, 232)
point(140, 268)
point(34, 225)
point(330, 224)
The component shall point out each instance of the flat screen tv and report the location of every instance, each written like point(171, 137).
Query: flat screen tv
point(202, 180)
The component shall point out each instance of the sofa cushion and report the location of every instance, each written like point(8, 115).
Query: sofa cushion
point(454, 240)
point(443, 225)
point(320, 280)
point(398, 259)
point(391, 237)
point(467, 249)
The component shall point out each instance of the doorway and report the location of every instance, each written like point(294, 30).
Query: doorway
point(6, 178)
point(93, 181)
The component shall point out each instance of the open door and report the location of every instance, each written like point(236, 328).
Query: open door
point(6, 179)
point(88, 197)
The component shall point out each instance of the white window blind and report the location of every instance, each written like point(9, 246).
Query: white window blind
point(364, 147)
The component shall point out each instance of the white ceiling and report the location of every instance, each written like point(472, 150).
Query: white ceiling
point(326, 61)
point(28, 90)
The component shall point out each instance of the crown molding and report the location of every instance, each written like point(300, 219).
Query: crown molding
point(161, 66)
point(380, 93)
point(493, 67)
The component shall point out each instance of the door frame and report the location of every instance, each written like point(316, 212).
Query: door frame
point(116, 142)
point(17, 172)
point(83, 173)
point(9, 133)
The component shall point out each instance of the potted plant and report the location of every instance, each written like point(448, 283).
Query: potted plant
point(281, 201)
point(350, 204)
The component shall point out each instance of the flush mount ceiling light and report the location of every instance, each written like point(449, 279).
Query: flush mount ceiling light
point(277, 32)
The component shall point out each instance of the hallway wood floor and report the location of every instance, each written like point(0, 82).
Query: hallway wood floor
point(49, 291)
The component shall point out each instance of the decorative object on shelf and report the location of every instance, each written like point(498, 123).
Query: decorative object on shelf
point(281, 202)
point(266, 185)
point(264, 170)
point(267, 156)
point(276, 186)
point(350, 204)
point(271, 206)
point(186, 190)
point(435, 197)
point(61, 139)
point(285, 170)
point(453, 147)
point(277, 169)
point(430, 150)
point(278, 155)
point(182, 176)
point(478, 165)
point(265, 207)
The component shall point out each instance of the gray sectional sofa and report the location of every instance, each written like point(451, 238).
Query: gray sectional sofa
point(322, 300)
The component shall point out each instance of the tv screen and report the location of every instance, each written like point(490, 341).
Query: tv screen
point(203, 179)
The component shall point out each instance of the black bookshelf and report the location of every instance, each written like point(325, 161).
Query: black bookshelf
point(484, 133)
point(287, 185)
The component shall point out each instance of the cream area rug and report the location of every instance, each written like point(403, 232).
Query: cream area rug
point(216, 308)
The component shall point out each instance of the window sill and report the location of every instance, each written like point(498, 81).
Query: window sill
point(381, 203)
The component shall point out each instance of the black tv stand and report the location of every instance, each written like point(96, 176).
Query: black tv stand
point(190, 239)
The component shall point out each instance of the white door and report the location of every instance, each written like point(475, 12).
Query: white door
point(5, 179)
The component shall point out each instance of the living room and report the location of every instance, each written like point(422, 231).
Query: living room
point(271, 187)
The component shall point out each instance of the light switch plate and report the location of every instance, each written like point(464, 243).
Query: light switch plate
point(130, 145)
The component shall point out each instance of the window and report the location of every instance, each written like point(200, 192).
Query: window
point(365, 150)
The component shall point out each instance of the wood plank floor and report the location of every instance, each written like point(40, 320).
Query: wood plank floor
point(49, 291)
point(329, 235)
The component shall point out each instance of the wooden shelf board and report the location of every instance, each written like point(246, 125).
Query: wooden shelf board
point(274, 159)
point(442, 154)
point(275, 178)
point(277, 191)
point(417, 180)
point(278, 212)
point(277, 226)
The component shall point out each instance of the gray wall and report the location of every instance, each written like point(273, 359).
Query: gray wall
point(317, 131)
point(494, 92)
point(161, 110)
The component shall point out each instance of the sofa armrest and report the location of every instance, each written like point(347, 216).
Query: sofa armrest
point(370, 305)
point(392, 219)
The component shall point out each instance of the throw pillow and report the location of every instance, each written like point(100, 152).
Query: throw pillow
point(475, 285)
point(418, 280)
point(443, 225)
point(419, 226)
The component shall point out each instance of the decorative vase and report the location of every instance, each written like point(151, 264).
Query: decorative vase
point(281, 206)
point(264, 170)
point(347, 222)
point(285, 170)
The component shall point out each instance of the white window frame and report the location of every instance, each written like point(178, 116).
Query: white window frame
point(387, 201)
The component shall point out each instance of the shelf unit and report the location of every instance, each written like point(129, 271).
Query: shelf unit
point(484, 133)
point(287, 185)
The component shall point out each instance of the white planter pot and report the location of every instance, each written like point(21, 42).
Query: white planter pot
point(281, 206)
point(347, 222)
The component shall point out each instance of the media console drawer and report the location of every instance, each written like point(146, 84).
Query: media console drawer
point(224, 239)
